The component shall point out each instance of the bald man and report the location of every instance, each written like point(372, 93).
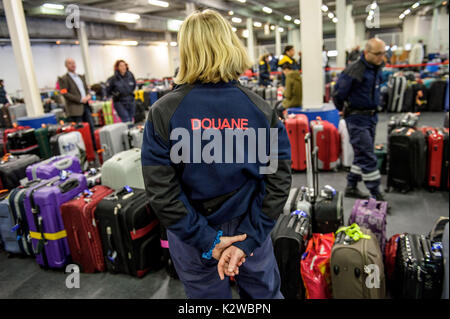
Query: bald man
point(75, 91)
point(357, 94)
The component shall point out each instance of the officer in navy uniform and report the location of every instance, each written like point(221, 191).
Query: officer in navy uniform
point(357, 95)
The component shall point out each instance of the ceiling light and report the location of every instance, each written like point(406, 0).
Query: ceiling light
point(77, 42)
point(127, 17)
point(58, 42)
point(369, 18)
point(331, 15)
point(281, 29)
point(407, 11)
point(129, 43)
point(332, 53)
point(394, 48)
point(297, 21)
point(415, 5)
point(272, 27)
point(158, 3)
point(53, 6)
point(230, 13)
point(234, 29)
point(245, 33)
point(236, 20)
point(444, 3)
point(401, 16)
point(373, 6)
point(242, 1)
point(267, 10)
point(335, 20)
point(287, 18)
point(257, 24)
point(408, 46)
point(324, 8)
point(173, 44)
point(371, 12)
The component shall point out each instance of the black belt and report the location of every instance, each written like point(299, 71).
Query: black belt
point(360, 112)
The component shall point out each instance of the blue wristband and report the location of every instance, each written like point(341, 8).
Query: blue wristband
point(208, 255)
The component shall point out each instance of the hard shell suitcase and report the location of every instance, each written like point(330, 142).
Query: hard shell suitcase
point(436, 99)
point(132, 138)
point(13, 169)
point(347, 154)
point(123, 169)
point(111, 139)
point(17, 111)
point(435, 155)
point(43, 141)
point(85, 131)
point(390, 255)
point(352, 262)
point(371, 214)
point(98, 145)
point(297, 128)
point(47, 229)
point(130, 233)
point(326, 138)
point(22, 142)
point(82, 232)
point(445, 170)
point(52, 167)
point(9, 131)
point(397, 87)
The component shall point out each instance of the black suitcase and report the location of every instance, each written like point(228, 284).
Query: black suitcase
point(418, 268)
point(23, 142)
point(409, 102)
point(54, 144)
point(436, 98)
point(130, 233)
point(407, 159)
point(13, 169)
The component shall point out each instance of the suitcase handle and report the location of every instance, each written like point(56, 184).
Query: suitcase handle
point(77, 241)
point(64, 164)
point(68, 185)
point(372, 203)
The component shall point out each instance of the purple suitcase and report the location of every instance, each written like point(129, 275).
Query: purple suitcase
point(372, 215)
point(47, 231)
point(53, 166)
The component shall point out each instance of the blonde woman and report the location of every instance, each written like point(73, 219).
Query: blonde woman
point(218, 212)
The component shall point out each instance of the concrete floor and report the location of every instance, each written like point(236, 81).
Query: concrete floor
point(414, 212)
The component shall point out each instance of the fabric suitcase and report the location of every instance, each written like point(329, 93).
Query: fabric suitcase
point(82, 232)
point(53, 166)
point(419, 268)
point(390, 255)
point(397, 87)
point(22, 142)
point(130, 233)
point(407, 154)
point(167, 259)
point(436, 99)
point(347, 154)
point(349, 267)
point(123, 169)
point(291, 201)
point(371, 214)
point(13, 169)
point(111, 139)
point(435, 156)
point(9, 131)
point(43, 141)
point(297, 128)
point(326, 138)
point(47, 229)
point(132, 138)
point(328, 212)
point(107, 112)
point(8, 237)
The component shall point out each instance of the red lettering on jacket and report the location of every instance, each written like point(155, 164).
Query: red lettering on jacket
point(219, 124)
point(196, 121)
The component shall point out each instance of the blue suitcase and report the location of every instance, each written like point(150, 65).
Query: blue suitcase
point(7, 235)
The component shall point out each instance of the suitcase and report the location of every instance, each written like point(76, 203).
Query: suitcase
point(407, 155)
point(347, 154)
point(123, 169)
point(409, 99)
point(291, 202)
point(436, 99)
point(22, 142)
point(381, 154)
point(98, 145)
point(49, 237)
point(132, 138)
point(129, 232)
point(326, 138)
point(445, 162)
point(390, 255)
point(53, 167)
point(349, 267)
point(297, 128)
point(5, 117)
point(445, 245)
point(404, 120)
point(43, 141)
point(8, 237)
point(270, 95)
point(85, 131)
point(435, 142)
point(13, 169)
point(93, 177)
point(9, 131)
point(71, 143)
point(397, 87)
point(111, 139)
point(139, 115)
point(82, 232)
point(107, 112)
point(418, 269)
point(371, 214)
point(17, 111)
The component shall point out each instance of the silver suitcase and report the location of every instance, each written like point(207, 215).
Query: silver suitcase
point(123, 169)
point(111, 139)
point(17, 111)
point(132, 138)
point(72, 143)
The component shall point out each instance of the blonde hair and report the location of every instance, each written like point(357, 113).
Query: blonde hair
point(209, 50)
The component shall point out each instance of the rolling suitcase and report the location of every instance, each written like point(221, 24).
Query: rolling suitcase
point(350, 262)
point(390, 255)
point(111, 139)
point(85, 131)
point(326, 138)
point(132, 138)
point(82, 232)
point(371, 214)
point(167, 259)
point(5, 117)
point(17, 111)
point(445, 170)
point(123, 169)
point(291, 202)
point(72, 143)
point(49, 237)
point(98, 145)
point(23, 142)
point(130, 233)
point(8, 237)
point(43, 141)
point(53, 167)
point(13, 169)
point(397, 87)
point(436, 98)
point(93, 177)
point(435, 142)
point(297, 128)
point(407, 155)
point(271, 95)
point(347, 154)
point(445, 246)
point(9, 131)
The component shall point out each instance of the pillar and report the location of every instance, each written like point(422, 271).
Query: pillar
point(277, 41)
point(190, 7)
point(341, 28)
point(250, 40)
point(434, 41)
point(84, 45)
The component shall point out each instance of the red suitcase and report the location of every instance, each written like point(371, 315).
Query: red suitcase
point(435, 141)
point(98, 144)
point(85, 130)
point(326, 137)
point(82, 233)
point(297, 127)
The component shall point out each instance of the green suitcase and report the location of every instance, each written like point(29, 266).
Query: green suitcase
point(43, 142)
point(381, 154)
point(108, 113)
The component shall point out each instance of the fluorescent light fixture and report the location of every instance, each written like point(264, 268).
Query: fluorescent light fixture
point(402, 16)
point(158, 3)
point(281, 29)
point(173, 44)
point(332, 53)
point(408, 46)
point(234, 29)
point(407, 11)
point(331, 15)
point(127, 17)
point(53, 6)
point(371, 12)
point(242, 1)
point(386, 47)
point(174, 25)
point(374, 5)
point(272, 27)
point(369, 18)
point(394, 47)
point(257, 24)
point(267, 10)
point(324, 8)
point(245, 33)
point(415, 5)
point(297, 21)
point(236, 20)
point(335, 20)
point(287, 18)
point(129, 43)
point(230, 13)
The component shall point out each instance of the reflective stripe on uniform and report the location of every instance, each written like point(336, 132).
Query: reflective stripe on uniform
point(373, 176)
point(356, 170)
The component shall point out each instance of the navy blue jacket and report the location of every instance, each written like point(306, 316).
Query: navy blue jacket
point(121, 88)
point(359, 86)
point(179, 192)
point(3, 99)
point(264, 73)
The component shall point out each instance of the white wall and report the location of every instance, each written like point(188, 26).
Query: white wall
point(144, 61)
